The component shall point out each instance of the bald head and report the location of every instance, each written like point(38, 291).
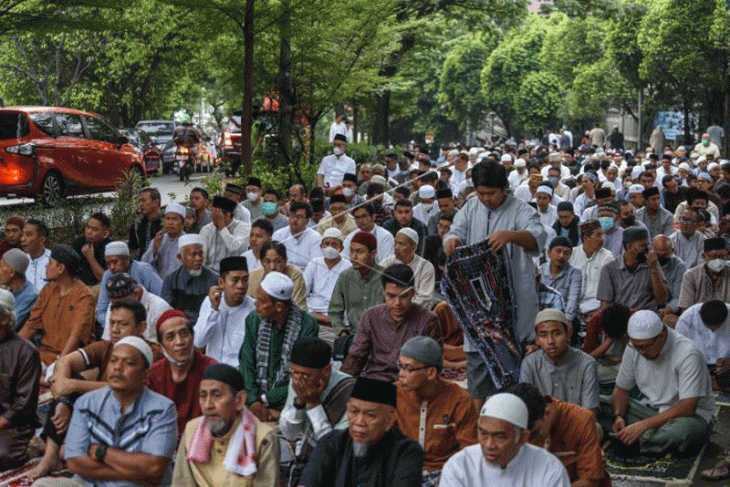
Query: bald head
point(663, 246)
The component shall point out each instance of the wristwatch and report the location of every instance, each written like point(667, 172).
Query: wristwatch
point(264, 401)
point(100, 452)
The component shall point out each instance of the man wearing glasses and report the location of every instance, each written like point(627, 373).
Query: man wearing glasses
point(302, 243)
point(669, 370)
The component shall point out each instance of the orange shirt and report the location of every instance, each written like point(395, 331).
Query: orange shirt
point(61, 317)
point(442, 426)
point(574, 430)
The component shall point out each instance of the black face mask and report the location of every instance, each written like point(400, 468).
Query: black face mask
point(629, 220)
point(641, 257)
point(663, 261)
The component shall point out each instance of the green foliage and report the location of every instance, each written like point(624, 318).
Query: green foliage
point(538, 101)
point(124, 208)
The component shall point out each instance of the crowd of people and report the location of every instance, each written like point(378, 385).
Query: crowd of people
point(255, 338)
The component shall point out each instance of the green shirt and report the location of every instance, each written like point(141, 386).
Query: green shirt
point(276, 395)
point(353, 295)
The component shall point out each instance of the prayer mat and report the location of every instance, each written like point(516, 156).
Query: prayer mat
point(17, 477)
point(478, 287)
point(643, 469)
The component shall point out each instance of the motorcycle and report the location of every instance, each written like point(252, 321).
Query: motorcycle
point(184, 162)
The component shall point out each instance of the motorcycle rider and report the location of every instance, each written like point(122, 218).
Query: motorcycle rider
point(185, 135)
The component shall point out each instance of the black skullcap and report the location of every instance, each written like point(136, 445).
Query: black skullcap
point(120, 285)
point(408, 155)
point(225, 204)
point(565, 206)
point(373, 390)
point(603, 193)
point(338, 198)
point(349, 177)
point(311, 352)
point(650, 191)
point(715, 243)
point(66, 255)
point(444, 193)
point(235, 263)
point(317, 204)
point(226, 374)
point(560, 242)
point(713, 312)
point(234, 188)
point(446, 169)
point(340, 137)
point(632, 234)
point(252, 181)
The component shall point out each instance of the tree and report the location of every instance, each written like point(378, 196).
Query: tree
point(538, 101)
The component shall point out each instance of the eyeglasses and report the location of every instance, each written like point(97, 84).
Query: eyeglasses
point(687, 220)
point(410, 369)
point(644, 348)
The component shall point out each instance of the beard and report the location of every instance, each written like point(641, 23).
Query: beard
point(218, 428)
point(195, 273)
point(359, 449)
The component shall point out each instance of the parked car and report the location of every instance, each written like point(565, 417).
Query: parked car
point(50, 152)
point(161, 131)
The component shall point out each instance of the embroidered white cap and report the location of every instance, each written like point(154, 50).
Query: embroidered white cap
point(278, 286)
point(116, 248)
point(644, 324)
point(507, 407)
point(190, 239)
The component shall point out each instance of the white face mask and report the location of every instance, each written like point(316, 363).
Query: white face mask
point(337, 151)
point(347, 192)
point(716, 265)
point(330, 253)
point(252, 197)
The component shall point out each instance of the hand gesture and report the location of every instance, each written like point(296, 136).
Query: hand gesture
point(215, 293)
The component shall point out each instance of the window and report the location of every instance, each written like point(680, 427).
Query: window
point(13, 126)
point(100, 130)
point(44, 122)
point(69, 125)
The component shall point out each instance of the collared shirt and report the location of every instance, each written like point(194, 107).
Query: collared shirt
point(591, 268)
point(673, 272)
point(185, 292)
point(714, 344)
point(242, 214)
point(279, 221)
point(530, 466)
point(347, 226)
point(678, 372)
point(613, 241)
point(424, 277)
point(298, 297)
point(302, 249)
point(568, 283)
point(36, 271)
point(574, 380)
point(20, 371)
point(252, 262)
point(375, 349)
point(254, 209)
point(475, 222)
point(661, 223)
point(165, 259)
point(222, 331)
point(142, 272)
point(386, 243)
point(698, 286)
point(219, 244)
point(147, 426)
point(352, 295)
point(334, 168)
point(630, 287)
point(25, 298)
point(320, 281)
point(688, 249)
point(442, 425)
point(153, 305)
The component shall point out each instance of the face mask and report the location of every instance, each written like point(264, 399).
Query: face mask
point(470, 183)
point(268, 208)
point(705, 142)
point(330, 253)
point(428, 206)
point(716, 265)
point(606, 223)
point(641, 257)
point(554, 180)
point(629, 220)
point(252, 197)
point(338, 152)
point(347, 192)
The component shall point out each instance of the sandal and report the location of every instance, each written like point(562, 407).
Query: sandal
point(719, 472)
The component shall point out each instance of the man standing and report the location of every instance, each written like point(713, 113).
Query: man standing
point(224, 236)
point(227, 445)
point(503, 456)
point(270, 334)
point(220, 327)
point(13, 265)
point(371, 452)
point(302, 243)
point(20, 368)
point(439, 414)
point(385, 328)
point(657, 219)
point(558, 274)
point(338, 127)
point(33, 243)
point(406, 243)
point(163, 250)
point(670, 371)
point(334, 166)
point(148, 224)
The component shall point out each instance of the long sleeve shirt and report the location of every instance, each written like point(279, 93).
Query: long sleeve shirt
point(424, 277)
point(222, 331)
point(569, 283)
point(20, 371)
point(320, 281)
point(36, 271)
point(187, 293)
point(229, 241)
point(142, 272)
point(300, 249)
point(165, 259)
point(352, 295)
point(25, 298)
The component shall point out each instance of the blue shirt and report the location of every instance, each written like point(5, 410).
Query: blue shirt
point(148, 426)
point(142, 272)
point(24, 300)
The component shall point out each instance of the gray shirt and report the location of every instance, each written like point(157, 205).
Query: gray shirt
point(661, 223)
point(575, 380)
point(569, 283)
point(688, 249)
point(678, 372)
point(632, 288)
point(673, 271)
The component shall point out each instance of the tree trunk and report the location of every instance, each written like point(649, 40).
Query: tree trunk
point(382, 113)
point(355, 121)
point(285, 93)
point(247, 108)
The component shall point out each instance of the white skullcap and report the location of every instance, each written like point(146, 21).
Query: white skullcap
point(636, 189)
point(7, 300)
point(635, 171)
point(507, 407)
point(608, 185)
point(701, 159)
point(712, 166)
point(520, 163)
point(140, 345)
point(454, 152)
point(427, 191)
point(278, 286)
point(644, 324)
point(410, 233)
point(544, 188)
point(506, 158)
point(332, 232)
point(176, 208)
point(705, 176)
point(189, 239)
point(116, 248)
point(473, 152)
point(685, 166)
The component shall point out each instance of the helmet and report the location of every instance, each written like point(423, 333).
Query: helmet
point(184, 118)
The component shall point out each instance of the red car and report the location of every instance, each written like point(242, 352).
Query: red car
point(49, 152)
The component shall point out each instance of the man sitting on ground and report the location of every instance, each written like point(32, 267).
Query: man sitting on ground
point(710, 280)
point(90, 246)
point(424, 275)
point(403, 218)
point(606, 340)
point(274, 258)
point(558, 274)
point(227, 445)
point(225, 235)
point(439, 414)
point(13, 231)
point(590, 257)
point(261, 232)
point(33, 243)
point(302, 243)
point(364, 219)
point(340, 219)
point(164, 249)
point(122, 286)
point(13, 265)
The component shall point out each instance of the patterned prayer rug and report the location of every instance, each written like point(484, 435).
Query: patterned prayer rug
point(650, 469)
